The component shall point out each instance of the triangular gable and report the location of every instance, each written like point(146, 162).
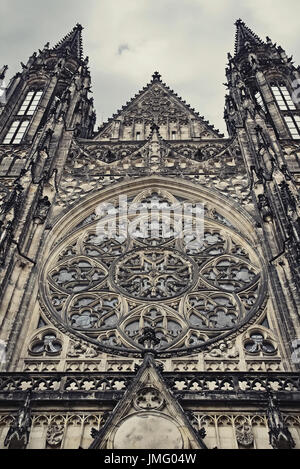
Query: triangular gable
point(148, 417)
point(156, 103)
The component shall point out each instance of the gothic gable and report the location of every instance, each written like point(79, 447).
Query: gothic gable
point(146, 407)
point(156, 103)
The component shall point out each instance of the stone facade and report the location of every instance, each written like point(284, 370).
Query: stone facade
point(115, 320)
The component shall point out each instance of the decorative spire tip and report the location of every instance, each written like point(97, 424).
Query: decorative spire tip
point(156, 76)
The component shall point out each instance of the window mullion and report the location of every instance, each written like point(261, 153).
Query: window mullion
point(16, 132)
point(283, 98)
point(30, 102)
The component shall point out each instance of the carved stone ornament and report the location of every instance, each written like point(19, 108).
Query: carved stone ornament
point(42, 210)
point(54, 435)
point(148, 398)
point(259, 343)
point(154, 274)
point(279, 433)
point(78, 349)
point(244, 435)
point(18, 433)
point(224, 350)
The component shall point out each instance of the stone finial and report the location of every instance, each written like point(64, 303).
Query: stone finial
point(3, 71)
point(149, 338)
point(156, 76)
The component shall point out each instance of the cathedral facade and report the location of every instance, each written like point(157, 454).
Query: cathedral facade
point(150, 270)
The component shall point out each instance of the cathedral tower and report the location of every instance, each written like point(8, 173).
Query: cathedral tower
point(150, 268)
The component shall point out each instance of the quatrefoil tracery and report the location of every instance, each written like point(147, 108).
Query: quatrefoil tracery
point(77, 274)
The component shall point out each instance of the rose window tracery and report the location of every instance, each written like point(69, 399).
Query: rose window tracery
point(77, 274)
point(190, 288)
point(212, 311)
point(93, 311)
point(153, 273)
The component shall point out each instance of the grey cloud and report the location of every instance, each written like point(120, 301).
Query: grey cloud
point(186, 40)
point(122, 47)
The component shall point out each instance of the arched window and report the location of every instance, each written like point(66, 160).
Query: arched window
point(16, 131)
point(286, 104)
point(293, 123)
point(30, 103)
point(283, 97)
point(23, 117)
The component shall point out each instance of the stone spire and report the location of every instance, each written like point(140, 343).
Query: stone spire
point(244, 36)
point(72, 42)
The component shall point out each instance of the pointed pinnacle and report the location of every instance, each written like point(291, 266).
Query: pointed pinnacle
point(72, 42)
point(238, 22)
point(245, 35)
point(3, 72)
point(156, 77)
point(154, 127)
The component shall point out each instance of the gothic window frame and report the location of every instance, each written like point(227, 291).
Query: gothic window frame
point(30, 102)
point(260, 341)
point(282, 96)
point(292, 122)
point(286, 105)
point(16, 131)
point(23, 117)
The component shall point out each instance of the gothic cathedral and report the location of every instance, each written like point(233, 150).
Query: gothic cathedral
point(150, 269)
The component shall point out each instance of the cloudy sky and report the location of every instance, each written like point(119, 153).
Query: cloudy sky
point(127, 40)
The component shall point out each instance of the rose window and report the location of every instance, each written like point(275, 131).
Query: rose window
point(186, 288)
point(154, 274)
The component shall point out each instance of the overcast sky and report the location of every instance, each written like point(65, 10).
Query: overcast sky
point(127, 40)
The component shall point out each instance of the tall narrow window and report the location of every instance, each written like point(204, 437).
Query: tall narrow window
point(30, 103)
point(138, 136)
point(293, 123)
point(23, 117)
point(260, 101)
point(174, 134)
point(283, 97)
point(16, 131)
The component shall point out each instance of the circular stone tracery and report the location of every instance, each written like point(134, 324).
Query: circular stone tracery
point(154, 274)
point(107, 290)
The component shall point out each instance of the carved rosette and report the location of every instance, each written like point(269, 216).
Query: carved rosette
point(154, 274)
point(106, 287)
